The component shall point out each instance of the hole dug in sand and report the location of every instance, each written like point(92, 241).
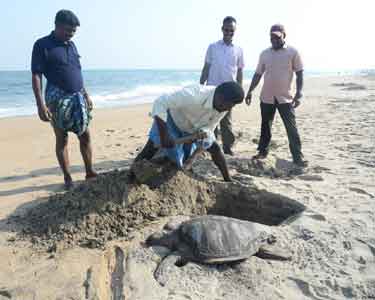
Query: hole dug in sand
point(252, 204)
point(113, 206)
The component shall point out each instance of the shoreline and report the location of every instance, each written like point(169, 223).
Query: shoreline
point(35, 115)
point(149, 99)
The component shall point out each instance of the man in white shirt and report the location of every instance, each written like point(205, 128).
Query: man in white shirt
point(224, 62)
point(190, 110)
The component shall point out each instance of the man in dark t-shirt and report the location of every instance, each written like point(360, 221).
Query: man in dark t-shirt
point(66, 104)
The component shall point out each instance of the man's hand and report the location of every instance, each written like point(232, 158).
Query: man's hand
point(253, 85)
point(248, 98)
point(199, 135)
point(44, 113)
point(90, 104)
point(296, 100)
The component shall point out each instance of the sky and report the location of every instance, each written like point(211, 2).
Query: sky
point(174, 34)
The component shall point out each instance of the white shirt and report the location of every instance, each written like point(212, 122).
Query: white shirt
point(224, 61)
point(190, 108)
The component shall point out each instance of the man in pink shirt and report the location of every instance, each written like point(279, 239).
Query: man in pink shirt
point(277, 64)
point(224, 62)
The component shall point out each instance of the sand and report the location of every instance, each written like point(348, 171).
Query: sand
point(96, 254)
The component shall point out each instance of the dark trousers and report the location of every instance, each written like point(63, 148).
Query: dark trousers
point(287, 114)
point(227, 135)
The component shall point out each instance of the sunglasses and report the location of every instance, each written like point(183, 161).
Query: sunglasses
point(228, 30)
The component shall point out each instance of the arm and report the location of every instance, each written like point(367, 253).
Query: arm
point(165, 140)
point(239, 76)
point(261, 68)
point(204, 74)
point(43, 112)
point(207, 65)
point(240, 67)
point(297, 65)
point(38, 66)
point(188, 139)
point(219, 160)
point(176, 103)
point(299, 85)
point(87, 97)
point(254, 83)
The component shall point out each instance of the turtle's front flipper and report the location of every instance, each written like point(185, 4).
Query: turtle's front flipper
point(166, 266)
point(272, 252)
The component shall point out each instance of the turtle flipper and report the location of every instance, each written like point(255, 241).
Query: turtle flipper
point(165, 267)
point(272, 252)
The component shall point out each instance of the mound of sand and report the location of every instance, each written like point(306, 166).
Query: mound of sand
point(110, 207)
point(271, 166)
point(114, 205)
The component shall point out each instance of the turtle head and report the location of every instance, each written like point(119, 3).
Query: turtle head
point(168, 240)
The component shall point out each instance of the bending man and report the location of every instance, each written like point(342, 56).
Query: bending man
point(188, 111)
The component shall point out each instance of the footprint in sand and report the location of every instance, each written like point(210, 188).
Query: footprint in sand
point(369, 243)
point(360, 191)
point(134, 136)
point(350, 86)
point(316, 216)
point(305, 288)
point(320, 169)
point(311, 177)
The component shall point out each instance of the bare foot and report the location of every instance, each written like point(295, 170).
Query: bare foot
point(68, 182)
point(259, 156)
point(91, 175)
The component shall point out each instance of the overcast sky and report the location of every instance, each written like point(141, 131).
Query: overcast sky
point(174, 34)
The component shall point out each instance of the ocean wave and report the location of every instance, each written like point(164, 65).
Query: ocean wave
point(12, 111)
point(143, 93)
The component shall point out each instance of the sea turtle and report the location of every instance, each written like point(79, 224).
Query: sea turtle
point(213, 239)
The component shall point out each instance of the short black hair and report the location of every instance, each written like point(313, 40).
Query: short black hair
point(231, 91)
point(229, 19)
point(66, 17)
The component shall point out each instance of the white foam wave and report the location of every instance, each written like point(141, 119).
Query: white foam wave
point(141, 94)
point(20, 111)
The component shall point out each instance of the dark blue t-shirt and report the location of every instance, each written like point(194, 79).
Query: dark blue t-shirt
point(58, 62)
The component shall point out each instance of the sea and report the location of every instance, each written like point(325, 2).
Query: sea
point(111, 88)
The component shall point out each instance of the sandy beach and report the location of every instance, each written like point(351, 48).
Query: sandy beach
point(332, 244)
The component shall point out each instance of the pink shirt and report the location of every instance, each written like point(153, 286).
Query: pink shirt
point(278, 67)
point(224, 61)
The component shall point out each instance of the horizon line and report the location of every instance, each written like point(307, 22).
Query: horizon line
point(192, 69)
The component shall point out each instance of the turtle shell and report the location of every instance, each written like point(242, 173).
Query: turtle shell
point(215, 239)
